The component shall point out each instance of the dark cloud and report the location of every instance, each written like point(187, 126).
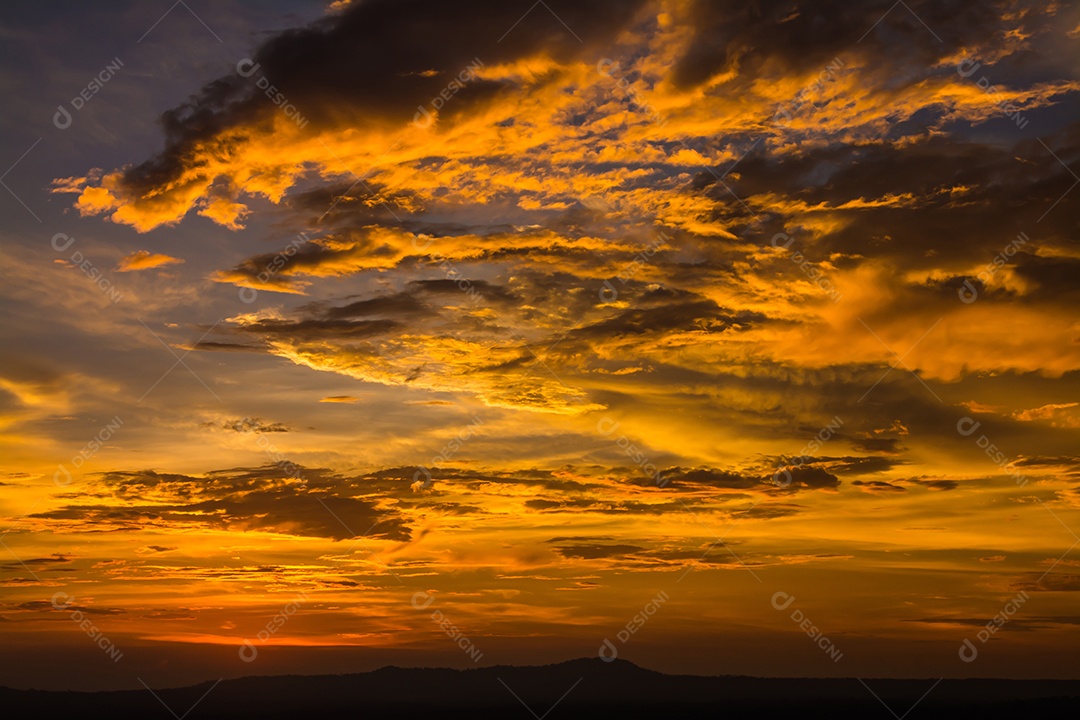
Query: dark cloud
point(397, 305)
point(491, 293)
point(247, 424)
point(876, 444)
point(933, 484)
point(1048, 582)
point(1026, 624)
point(268, 499)
point(710, 477)
point(217, 346)
point(371, 63)
point(597, 551)
point(39, 563)
point(878, 487)
point(810, 476)
point(316, 330)
point(36, 605)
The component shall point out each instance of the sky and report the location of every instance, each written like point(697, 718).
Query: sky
point(720, 337)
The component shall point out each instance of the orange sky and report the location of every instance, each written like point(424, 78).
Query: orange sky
point(724, 303)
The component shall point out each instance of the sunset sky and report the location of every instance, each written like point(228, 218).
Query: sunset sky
point(539, 312)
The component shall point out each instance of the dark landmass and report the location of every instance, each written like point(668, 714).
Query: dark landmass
point(576, 689)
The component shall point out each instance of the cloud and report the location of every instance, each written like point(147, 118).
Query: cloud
point(151, 549)
point(879, 487)
point(1048, 582)
point(248, 425)
point(1055, 414)
point(596, 551)
point(266, 499)
point(144, 260)
point(40, 564)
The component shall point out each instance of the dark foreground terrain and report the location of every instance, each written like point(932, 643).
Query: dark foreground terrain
point(576, 689)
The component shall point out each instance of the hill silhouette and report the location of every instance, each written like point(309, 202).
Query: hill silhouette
point(565, 691)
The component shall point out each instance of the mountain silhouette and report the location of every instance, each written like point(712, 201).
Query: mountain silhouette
point(586, 688)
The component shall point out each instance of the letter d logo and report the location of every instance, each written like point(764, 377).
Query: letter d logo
point(62, 476)
point(968, 294)
point(61, 242)
point(782, 600)
point(422, 118)
point(969, 70)
point(248, 652)
point(965, 426)
point(608, 651)
point(62, 118)
point(786, 237)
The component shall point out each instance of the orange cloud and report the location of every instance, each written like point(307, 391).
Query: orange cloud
point(145, 260)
